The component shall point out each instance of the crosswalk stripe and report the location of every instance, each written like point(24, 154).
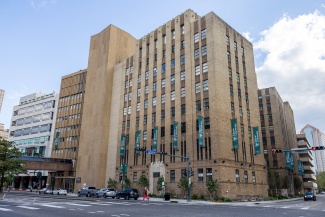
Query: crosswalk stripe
point(75, 204)
point(53, 206)
point(305, 208)
point(5, 209)
point(28, 207)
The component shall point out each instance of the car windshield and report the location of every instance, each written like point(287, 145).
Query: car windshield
point(309, 193)
point(103, 189)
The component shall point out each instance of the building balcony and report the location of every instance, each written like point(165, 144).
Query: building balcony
point(307, 161)
point(311, 185)
point(309, 177)
point(309, 170)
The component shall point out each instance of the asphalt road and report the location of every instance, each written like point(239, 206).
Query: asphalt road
point(53, 206)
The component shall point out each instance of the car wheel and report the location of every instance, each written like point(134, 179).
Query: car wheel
point(113, 197)
point(118, 197)
point(39, 192)
point(135, 198)
point(127, 198)
point(79, 195)
point(58, 193)
point(104, 196)
point(88, 195)
point(305, 199)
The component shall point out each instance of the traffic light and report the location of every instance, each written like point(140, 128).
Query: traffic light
point(317, 148)
point(192, 173)
point(184, 173)
point(275, 151)
point(143, 149)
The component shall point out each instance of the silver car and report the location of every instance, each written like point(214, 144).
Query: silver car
point(110, 193)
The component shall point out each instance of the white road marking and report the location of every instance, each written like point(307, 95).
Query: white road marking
point(76, 204)
point(53, 206)
point(305, 208)
point(125, 214)
point(267, 206)
point(91, 212)
point(101, 211)
point(28, 207)
point(285, 207)
point(4, 209)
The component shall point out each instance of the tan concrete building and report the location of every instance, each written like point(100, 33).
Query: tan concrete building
point(278, 132)
point(2, 93)
point(67, 127)
point(4, 133)
point(309, 177)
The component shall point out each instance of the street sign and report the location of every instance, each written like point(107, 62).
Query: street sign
point(150, 151)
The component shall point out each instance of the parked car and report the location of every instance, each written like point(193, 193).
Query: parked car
point(128, 193)
point(42, 191)
point(323, 192)
point(310, 196)
point(49, 191)
point(87, 191)
point(101, 192)
point(110, 193)
point(59, 191)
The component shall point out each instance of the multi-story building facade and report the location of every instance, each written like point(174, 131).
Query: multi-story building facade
point(32, 129)
point(4, 133)
point(2, 93)
point(187, 88)
point(278, 132)
point(68, 125)
point(308, 177)
point(316, 138)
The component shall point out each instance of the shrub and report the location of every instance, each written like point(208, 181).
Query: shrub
point(194, 197)
point(202, 197)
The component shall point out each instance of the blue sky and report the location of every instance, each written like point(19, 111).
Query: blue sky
point(43, 40)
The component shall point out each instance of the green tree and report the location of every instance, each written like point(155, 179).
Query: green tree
point(286, 182)
point(127, 183)
point(320, 180)
point(297, 183)
point(143, 181)
point(159, 183)
point(10, 164)
point(212, 186)
point(111, 183)
point(182, 184)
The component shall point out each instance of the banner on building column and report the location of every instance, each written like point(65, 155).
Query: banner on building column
point(289, 160)
point(175, 138)
point(257, 144)
point(234, 133)
point(201, 131)
point(292, 163)
point(155, 138)
point(122, 148)
point(56, 141)
point(137, 141)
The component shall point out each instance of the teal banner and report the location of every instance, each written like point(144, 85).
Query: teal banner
point(123, 168)
point(201, 131)
point(234, 133)
point(155, 138)
point(56, 141)
point(301, 168)
point(122, 148)
point(175, 139)
point(289, 160)
point(257, 144)
point(137, 141)
point(292, 163)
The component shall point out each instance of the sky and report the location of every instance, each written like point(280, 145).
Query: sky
point(43, 40)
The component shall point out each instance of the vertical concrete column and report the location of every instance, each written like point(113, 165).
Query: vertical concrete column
point(21, 183)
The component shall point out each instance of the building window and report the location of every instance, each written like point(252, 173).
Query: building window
point(162, 98)
point(147, 61)
point(196, 53)
point(172, 79)
point(229, 57)
point(183, 127)
point(231, 90)
point(235, 46)
point(198, 105)
point(145, 118)
point(245, 81)
point(238, 77)
point(124, 111)
point(182, 44)
point(163, 82)
point(239, 93)
point(204, 50)
point(242, 51)
point(208, 173)
point(172, 176)
point(205, 85)
point(139, 92)
point(135, 176)
point(271, 128)
point(253, 177)
point(197, 70)
point(154, 86)
point(232, 107)
point(240, 111)
point(230, 72)
point(145, 103)
point(130, 83)
point(248, 114)
point(200, 175)
point(156, 44)
point(163, 68)
point(182, 59)
point(147, 75)
point(205, 67)
point(129, 110)
point(162, 114)
point(172, 96)
point(172, 64)
point(126, 84)
point(249, 132)
point(153, 118)
point(172, 112)
point(146, 89)
point(125, 97)
point(197, 88)
point(245, 176)
point(127, 72)
point(139, 78)
point(173, 34)
point(183, 92)
point(130, 96)
point(196, 37)
point(145, 135)
point(237, 176)
point(154, 71)
point(236, 61)
point(227, 39)
point(203, 34)
point(154, 101)
point(137, 121)
point(164, 39)
point(183, 109)
point(162, 131)
point(207, 123)
point(206, 103)
point(182, 75)
point(173, 48)
point(138, 106)
point(182, 30)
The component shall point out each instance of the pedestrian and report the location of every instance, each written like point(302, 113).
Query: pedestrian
point(146, 194)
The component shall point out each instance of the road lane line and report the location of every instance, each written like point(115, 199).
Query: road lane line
point(53, 206)
point(28, 207)
point(76, 204)
point(305, 208)
point(4, 209)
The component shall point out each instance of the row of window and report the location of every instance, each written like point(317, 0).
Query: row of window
point(242, 51)
point(66, 108)
point(33, 119)
point(69, 117)
point(32, 130)
point(35, 140)
point(64, 150)
point(35, 108)
point(245, 176)
point(73, 96)
point(68, 138)
point(68, 128)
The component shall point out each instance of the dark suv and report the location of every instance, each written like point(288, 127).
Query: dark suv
point(310, 196)
point(128, 193)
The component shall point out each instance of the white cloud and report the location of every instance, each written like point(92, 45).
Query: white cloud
point(247, 36)
point(38, 4)
point(295, 65)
